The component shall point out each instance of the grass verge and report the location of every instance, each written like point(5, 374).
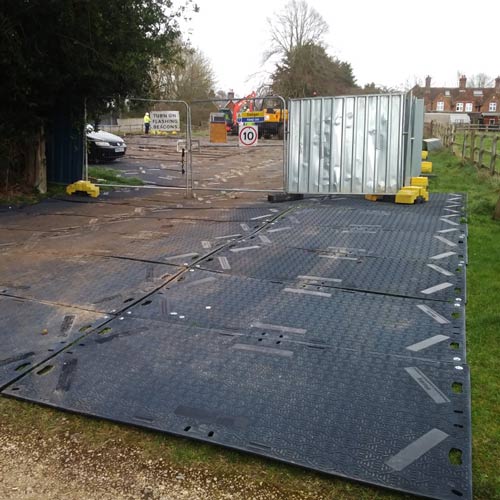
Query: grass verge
point(19, 197)
point(104, 175)
point(483, 311)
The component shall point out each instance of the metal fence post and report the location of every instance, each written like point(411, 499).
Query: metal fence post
point(84, 139)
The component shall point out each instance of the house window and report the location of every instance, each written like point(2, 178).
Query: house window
point(440, 106)
point(460, 106)
point(468, 107)
point(447, 93)
point(492, 121)
point(492, 107)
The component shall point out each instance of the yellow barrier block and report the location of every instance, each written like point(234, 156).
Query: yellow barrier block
point(408, 195)
point(419, 181)
point(426, 167)
point(84, 186)
point(373, 197)
point(425, 154)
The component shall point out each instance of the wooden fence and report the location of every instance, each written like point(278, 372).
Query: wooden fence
point(479, 146)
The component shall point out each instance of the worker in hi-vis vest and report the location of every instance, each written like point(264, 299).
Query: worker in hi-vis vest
point(147, 121)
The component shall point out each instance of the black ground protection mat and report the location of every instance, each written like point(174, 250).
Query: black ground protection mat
point(351, 212)
point(175, 242)
point(11, 238)
point(314, 315)
point(366, 241)
point(94, 283)
point(437, 202)
point(32, 331)
point(379, 419)
point(434, 280)
point(372, 219)
point(250, 215)
point(45, 222)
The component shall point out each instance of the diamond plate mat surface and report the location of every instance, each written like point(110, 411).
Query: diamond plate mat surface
point(374, 418)
point(31, 332)
point(312, 315)
point(174, 242)
point(366, 240)
point(435, 205)
point(382, 219)
point(434, 280)
point(385, 216)
point(45, 221)
point(94, 283)
point(251, 215)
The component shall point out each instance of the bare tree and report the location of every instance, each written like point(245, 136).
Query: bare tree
point(298, 25)
point(480, 80)
point(189, 77)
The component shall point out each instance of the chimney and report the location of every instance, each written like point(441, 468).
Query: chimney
point(463, 82)
point(230, 95)
point(428, 82)
point(497, 85)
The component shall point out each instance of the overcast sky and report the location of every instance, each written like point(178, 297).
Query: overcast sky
point(388, 42)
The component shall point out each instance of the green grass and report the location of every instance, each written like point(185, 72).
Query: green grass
point(19, 197)
point(487, 147)
point(483, 311)
point(103, 175)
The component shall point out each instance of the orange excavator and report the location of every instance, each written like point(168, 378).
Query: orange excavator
point(231, 110)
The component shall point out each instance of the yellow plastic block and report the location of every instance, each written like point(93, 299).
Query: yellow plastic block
point(85, 186)
point(412, 194)
point(427, 167)
point(425, 154)
point(408, 195)
point(373, 197)
point(419, 181)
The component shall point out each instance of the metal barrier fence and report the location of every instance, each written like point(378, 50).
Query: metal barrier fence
point(186, 154)
point(158, 155)
point(223, 158)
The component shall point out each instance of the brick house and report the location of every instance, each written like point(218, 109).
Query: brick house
point(481, 104)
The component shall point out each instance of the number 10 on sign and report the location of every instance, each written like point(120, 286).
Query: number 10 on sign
point(248, 135)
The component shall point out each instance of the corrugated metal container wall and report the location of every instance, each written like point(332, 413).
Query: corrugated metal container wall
point(351, 144)
point(64, 149)
point(415, 115)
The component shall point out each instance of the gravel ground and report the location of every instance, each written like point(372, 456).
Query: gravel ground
point(36, 465)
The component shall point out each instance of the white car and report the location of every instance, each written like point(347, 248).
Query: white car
point(103, 146)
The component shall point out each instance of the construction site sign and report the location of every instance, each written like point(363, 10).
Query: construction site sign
point(248, 135)
point(251, 117)
point(165, 121)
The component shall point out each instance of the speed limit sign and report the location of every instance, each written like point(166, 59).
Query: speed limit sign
point(248, 135)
